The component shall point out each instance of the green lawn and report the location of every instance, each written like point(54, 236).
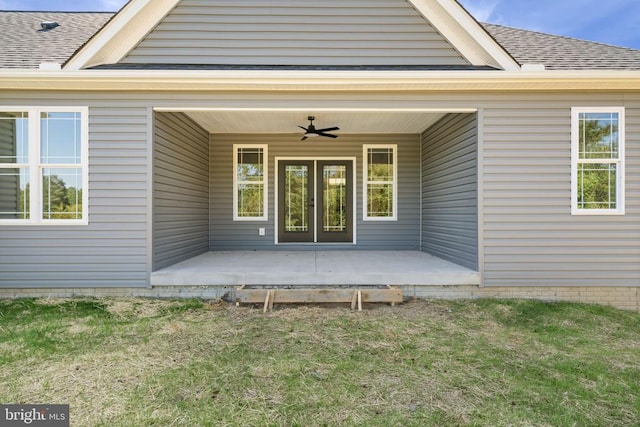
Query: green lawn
point(135, 362)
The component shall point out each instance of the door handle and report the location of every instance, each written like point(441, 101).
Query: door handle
point(311, 203)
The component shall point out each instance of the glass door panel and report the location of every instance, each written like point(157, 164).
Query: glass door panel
point(296, 206)
point(336, 201)
point(295, 201)
point(334, 198)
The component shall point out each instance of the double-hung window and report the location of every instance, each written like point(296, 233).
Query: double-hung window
point(380, 179)
point(43, 165)
point(597, 166)
point(250, 183)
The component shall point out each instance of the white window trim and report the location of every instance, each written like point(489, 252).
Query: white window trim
point(365, 182)
point(265, 183)
point(620, 170)
point(36, 167)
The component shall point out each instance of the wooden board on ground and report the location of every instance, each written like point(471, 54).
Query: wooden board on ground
point(317, 296)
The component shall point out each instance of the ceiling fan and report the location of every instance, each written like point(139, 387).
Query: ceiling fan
point(312, 132)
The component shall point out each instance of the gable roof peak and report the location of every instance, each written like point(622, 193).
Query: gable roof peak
point(138, 18)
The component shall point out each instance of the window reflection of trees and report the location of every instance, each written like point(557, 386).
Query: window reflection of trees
point(599, 139)
point(60, 201)
point(296, 199)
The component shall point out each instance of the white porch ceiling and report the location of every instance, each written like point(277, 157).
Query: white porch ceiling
point(349, 122)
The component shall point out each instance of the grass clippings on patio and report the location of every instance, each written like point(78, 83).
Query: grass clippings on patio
point(125, 362)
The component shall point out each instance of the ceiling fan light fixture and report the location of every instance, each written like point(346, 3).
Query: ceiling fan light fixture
point(312, 132)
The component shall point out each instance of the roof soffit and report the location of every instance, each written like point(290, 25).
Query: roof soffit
point(139, 17)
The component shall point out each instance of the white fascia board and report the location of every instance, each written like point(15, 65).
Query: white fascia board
point(465, 33)
point(343, 81)
point(116, 39)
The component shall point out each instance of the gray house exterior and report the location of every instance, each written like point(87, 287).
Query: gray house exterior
point(173, 128)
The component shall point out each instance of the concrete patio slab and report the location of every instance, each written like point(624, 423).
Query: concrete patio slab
point(316, 268)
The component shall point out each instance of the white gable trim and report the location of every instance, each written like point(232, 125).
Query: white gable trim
point(127, 28)
point(139, 17)
point(465, 34)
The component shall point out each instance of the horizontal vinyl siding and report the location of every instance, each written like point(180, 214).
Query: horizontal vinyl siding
point(530, 236)
point(112, 250)
point(295, 32)
point(180, 189)
point(227, 234)
point(449, 190)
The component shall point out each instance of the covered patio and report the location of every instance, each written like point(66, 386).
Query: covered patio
point(425, 235)
point(314, 268)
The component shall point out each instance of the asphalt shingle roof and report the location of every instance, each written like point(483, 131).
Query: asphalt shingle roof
point(562, 53)
point(24, 44)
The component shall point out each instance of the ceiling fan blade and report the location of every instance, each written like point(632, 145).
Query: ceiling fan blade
point(312, 131)
point(328, 129)
point(328, 135)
